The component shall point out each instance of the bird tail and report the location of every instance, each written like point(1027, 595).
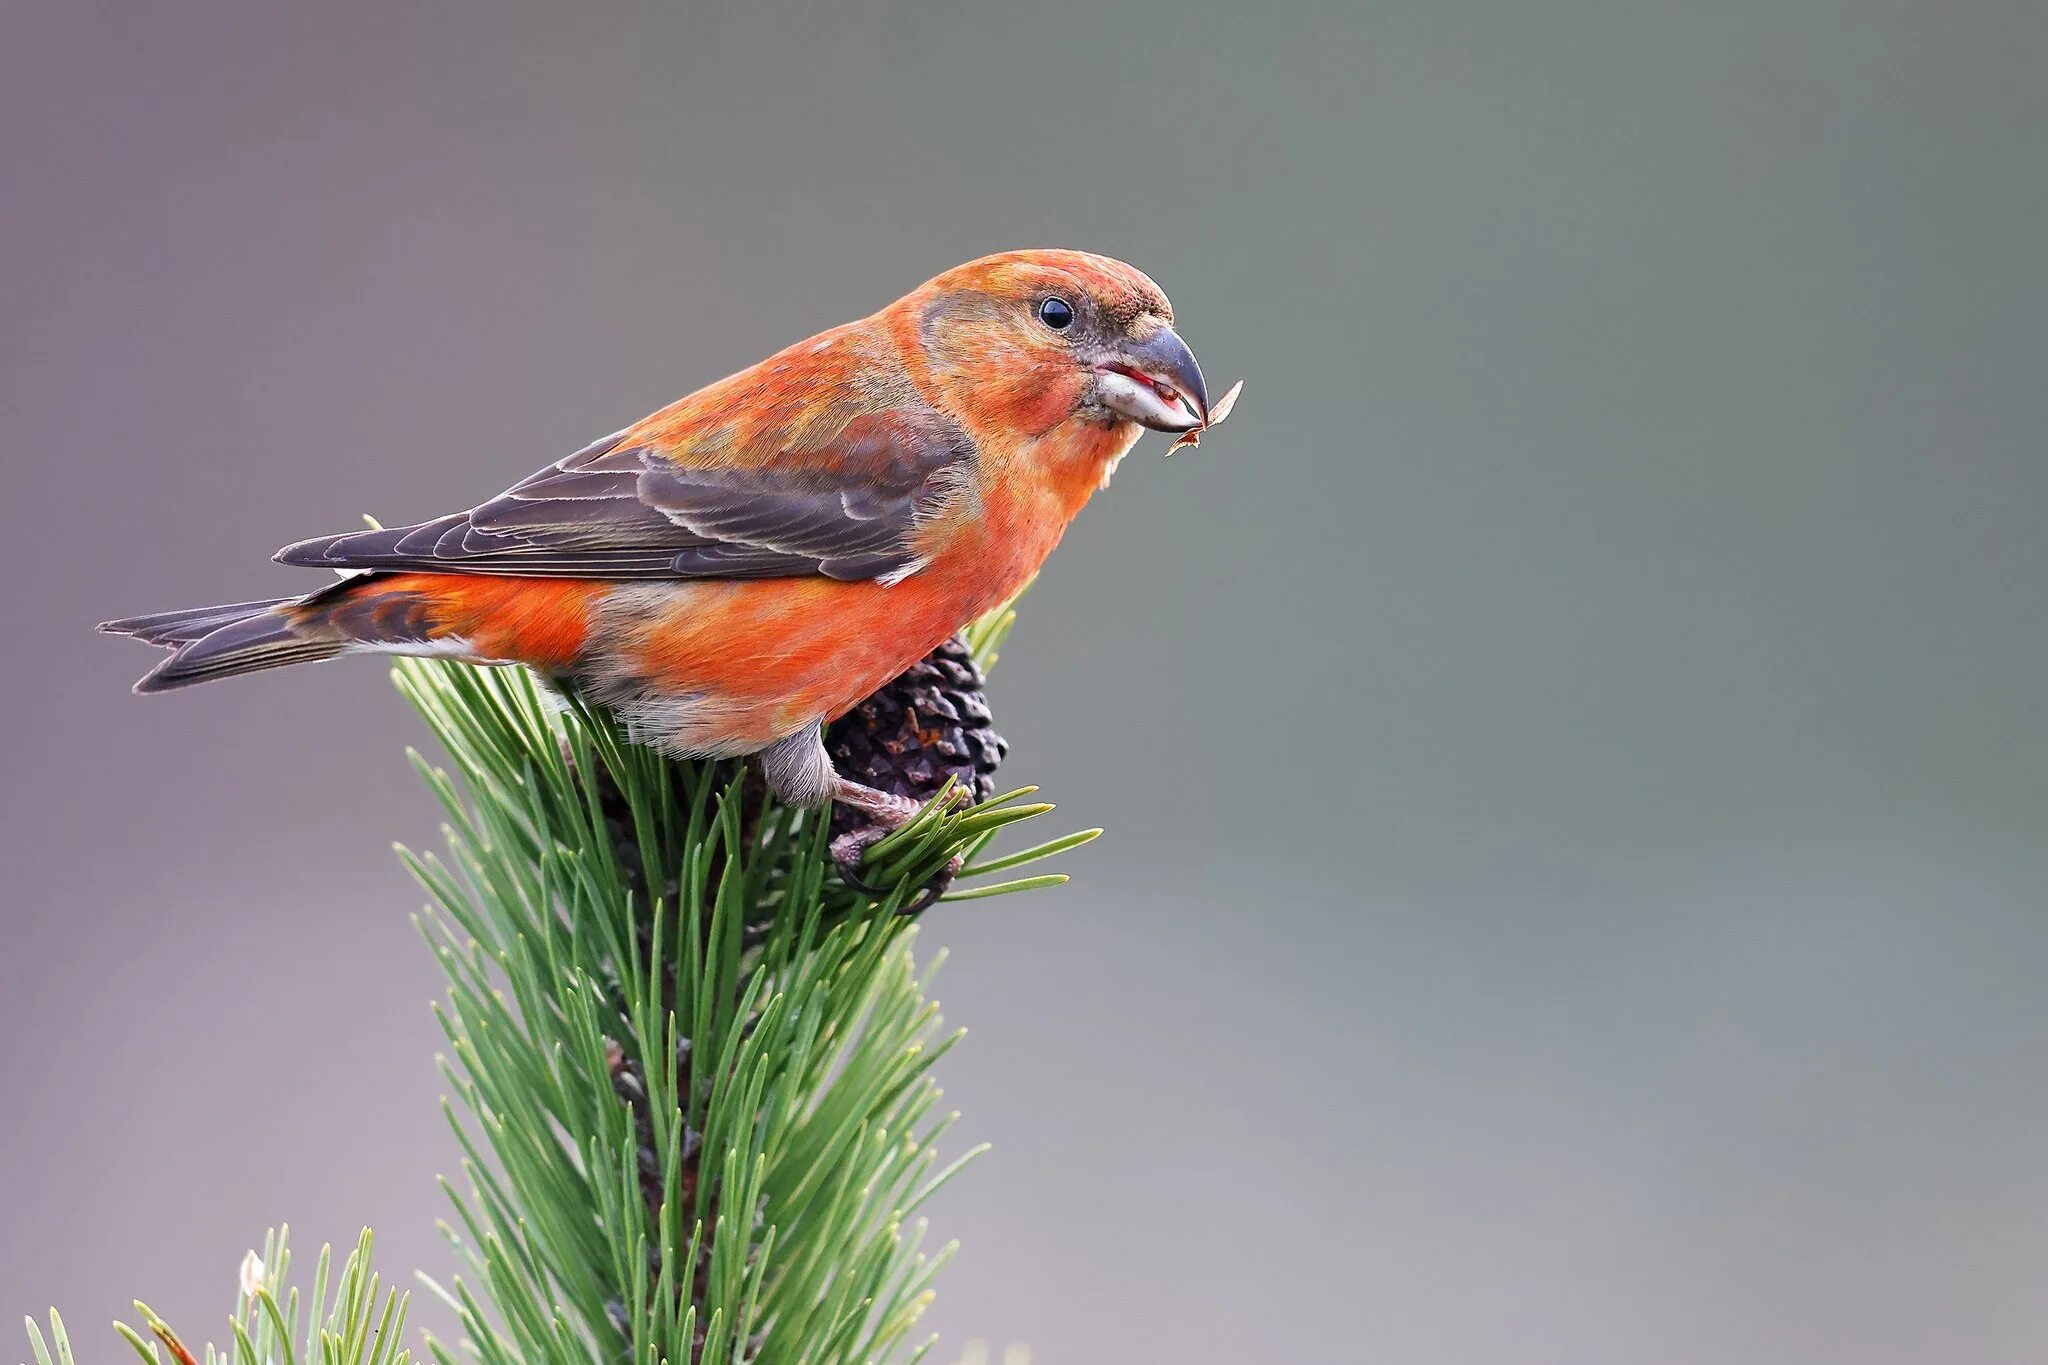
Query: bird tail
point(246, 637)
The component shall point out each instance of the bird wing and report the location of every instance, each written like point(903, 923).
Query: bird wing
point(819, 461)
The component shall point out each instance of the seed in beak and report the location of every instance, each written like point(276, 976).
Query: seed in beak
point(1221, 409)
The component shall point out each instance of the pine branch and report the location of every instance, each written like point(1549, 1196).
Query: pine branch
point(689, 1067)
point(347, 1321)
point(761, 1012)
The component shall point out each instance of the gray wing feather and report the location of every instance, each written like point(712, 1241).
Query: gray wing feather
point(619, 510)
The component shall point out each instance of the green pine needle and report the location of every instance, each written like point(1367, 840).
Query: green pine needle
point(770, 1023)
point(976, 893)
point(1031, 855)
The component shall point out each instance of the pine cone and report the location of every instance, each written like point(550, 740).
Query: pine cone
point(931, 723)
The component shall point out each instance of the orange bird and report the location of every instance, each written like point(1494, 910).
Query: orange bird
point(737, 570)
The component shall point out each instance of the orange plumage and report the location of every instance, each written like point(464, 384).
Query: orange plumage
point(751, 561)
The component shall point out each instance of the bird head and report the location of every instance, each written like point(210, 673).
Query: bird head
point(1027, 340)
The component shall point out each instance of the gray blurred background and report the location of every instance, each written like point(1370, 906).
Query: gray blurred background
point(1574, 746)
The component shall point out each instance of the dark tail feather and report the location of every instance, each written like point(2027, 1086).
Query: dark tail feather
point(171, 628)
point(239, 639)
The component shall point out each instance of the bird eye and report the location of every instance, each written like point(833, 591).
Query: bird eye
point(1056, 313)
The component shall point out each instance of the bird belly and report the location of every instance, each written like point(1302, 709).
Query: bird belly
point(716, 669)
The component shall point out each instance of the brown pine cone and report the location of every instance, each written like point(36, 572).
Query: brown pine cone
point(931, 723)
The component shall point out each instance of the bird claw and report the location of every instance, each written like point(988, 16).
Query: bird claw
point(849, 849)
point(937, 887)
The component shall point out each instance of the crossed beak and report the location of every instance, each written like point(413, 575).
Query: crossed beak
point(1155, 382)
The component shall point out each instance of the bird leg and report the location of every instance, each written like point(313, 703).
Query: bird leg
point(884, 812)
point(799, 771)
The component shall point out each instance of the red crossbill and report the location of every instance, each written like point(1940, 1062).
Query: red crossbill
point(735, 571)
